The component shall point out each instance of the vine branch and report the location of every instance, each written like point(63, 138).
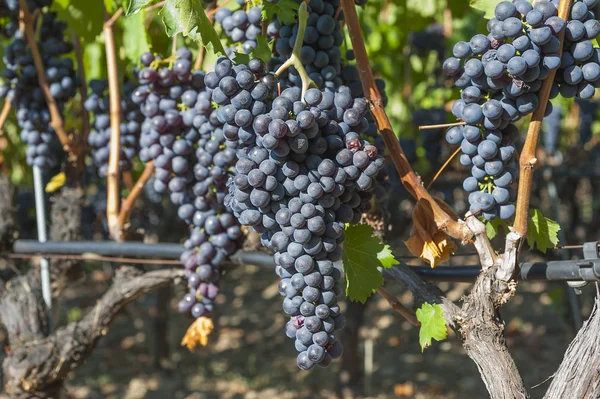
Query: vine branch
point(397, 307)
point(128, 203)
point(5, 113)
point(40, 363)
point(56, 121)
point(113, 197)
point(410, 180)
point(527, 160)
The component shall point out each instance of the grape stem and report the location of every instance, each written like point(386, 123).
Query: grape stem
point(413, 183)
point(56, 120)
point(443, 167)
point(441, 126)
point(112, 177)
point(294, 59)
point(135, 192)
point(398, 307)
point(527, 160)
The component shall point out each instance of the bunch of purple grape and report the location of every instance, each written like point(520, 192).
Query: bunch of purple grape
point(193, 159)
point(241, 26)
point(500, 76)
point(303, 171)
point(131, 119)
point(579, 73)
point(320, 54)
point(21, 87)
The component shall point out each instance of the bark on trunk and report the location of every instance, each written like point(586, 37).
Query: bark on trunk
point(578, 375)
point(37, 368)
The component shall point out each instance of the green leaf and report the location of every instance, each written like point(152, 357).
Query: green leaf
point(135, 37)
point(133, 6)
point(94, 61)
point(188, 18)
point(111, 6)
point(85, 17)
point(360, 258)
point(386, 257)
point(492, 227)
point(433, 324)
point(240, 58)
point(263, 50)
point(285, 10)
point(486, 6)
point(541, 231)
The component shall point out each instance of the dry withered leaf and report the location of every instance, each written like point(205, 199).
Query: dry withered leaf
point(427, 241)
point(197, 333)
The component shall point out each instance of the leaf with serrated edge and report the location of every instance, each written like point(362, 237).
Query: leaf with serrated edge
point(541, 231)
point(285, 10)
point(359, 256)
point(263, 49)
point(386, 257)
point(188, 18)
point(433, 324)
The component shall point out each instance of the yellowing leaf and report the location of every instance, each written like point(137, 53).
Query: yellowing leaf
point(541, 231)
point(433, 324)
point(426, 240)
point(56, 182)
point(197, 333)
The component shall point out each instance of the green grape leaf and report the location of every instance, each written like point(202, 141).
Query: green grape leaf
point(133, 6)
point(433, 324)
point(386, 257)
point(360, 256)
point(240, 58)
point(85, 17)
point(285, 10)
point(94, 61)
point(486, 6)
point(541, 231)
point(492, 227)
point(188, 18)
point(135, 37)
point(111, 6)
point(263, 50)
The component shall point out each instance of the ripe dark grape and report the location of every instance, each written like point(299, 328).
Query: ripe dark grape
point(22, 89)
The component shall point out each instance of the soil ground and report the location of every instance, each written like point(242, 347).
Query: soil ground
point(248, 355)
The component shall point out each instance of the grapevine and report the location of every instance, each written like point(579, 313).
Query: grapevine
point(282, 119)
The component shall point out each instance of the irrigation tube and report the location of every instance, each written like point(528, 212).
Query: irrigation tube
point(566, 270)
point(40, 215)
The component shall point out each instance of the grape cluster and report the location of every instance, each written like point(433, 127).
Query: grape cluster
point(193, 160)
point(131, 119)
point(320, 54)
point(241, 26)
point(302, 172)
point(500, 76)
point(579, 73)
point(21, 87)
